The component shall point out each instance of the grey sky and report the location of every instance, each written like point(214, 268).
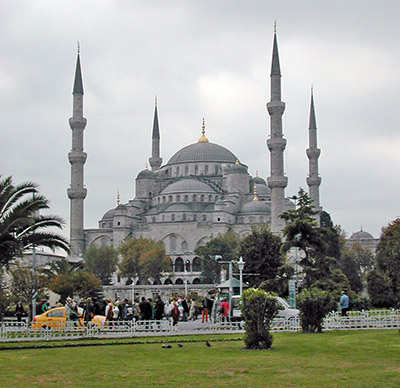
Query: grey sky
point(204, 59)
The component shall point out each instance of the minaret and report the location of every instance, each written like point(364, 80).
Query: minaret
point(77, 192)
point(155, 160)
point(313, 152)
point(276, 144)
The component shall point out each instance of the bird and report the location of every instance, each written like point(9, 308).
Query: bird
point(168, 346)
point(180, 345)
point(208, 344)
point(163, 346)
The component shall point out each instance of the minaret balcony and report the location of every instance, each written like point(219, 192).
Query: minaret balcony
point(276, 108)
point(313, 153)
point(276, 144)
point(77, 157)
point(76, 193)
point(277, 182)
point(313, 181)
point(77, 123)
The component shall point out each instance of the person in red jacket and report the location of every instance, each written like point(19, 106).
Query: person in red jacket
point(224, 309)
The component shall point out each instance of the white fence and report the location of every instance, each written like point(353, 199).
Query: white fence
point(356, 320)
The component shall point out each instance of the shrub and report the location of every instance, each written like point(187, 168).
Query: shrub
point(380, 294)
point(313, 304)
point(258, 310)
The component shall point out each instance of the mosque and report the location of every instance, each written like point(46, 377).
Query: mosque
point(203, 189)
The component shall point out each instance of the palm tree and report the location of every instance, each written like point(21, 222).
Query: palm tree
point(21, 226)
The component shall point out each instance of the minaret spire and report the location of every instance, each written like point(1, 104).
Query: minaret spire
point(277, 181)
point(313, 153)
point(155, 160)
point(77, 158)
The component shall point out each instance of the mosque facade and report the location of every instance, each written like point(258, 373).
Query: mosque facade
point(203, 190)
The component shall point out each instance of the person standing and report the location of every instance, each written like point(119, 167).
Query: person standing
point(224, 310)
point(88, 312)
point(159, 309)
point(19, 311)
point(204, 311)
point(192, 311)
point(344, 304)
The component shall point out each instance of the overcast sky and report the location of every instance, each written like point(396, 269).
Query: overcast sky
point(204, 59)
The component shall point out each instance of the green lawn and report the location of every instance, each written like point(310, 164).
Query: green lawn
point(332, 359)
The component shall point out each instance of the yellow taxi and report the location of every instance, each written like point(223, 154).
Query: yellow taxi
point(55, 319)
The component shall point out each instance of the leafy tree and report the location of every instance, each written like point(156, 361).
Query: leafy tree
point(330, 235)
point(258, 310)
point(301, 231)
point(313, 305)
point(263, 260)
point(20, 225)
point(144, 258)
point(27, 282)
point(225, 245)
point(102, 261)
point(388, 256)
point(351, 269)
point(5, 296)
point(379, 291)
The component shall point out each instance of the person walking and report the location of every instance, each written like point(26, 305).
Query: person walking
point(344, 304)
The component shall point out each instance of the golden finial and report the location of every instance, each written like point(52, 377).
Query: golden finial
point(79, 48)
point(155, 101)
point(117, 198)
point(203, 138)
point(147, 167)
point(255, 198)
point(256, 173)
point(275, 26)
point(237, 160)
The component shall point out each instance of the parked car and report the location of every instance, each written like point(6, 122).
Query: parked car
point(285, 311)
point(55, 319)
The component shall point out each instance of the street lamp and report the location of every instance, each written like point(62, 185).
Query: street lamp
point(218, 258)
point(186, 285)
point(241, 266)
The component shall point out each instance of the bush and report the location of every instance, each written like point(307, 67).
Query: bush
point(313, 304)
point(380, 294)
point(258, 310)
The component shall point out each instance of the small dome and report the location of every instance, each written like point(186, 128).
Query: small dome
point(121, 207)
point(360, 235)
point(262, 190)
point(146, 174)
point(187, 186)
point(255, 207)
point(220, 202)
point(259, 181)
point(237, 168)
point(109, 215)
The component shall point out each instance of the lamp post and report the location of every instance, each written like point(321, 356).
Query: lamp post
point(186, 285)
point(218, 258)
point(241, 266)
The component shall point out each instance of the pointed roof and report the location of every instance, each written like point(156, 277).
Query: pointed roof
point(275, 67)
point(313, 122)
point(78, 84)
point(156, 129)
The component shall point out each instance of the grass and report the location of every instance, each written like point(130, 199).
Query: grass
point(332, 359)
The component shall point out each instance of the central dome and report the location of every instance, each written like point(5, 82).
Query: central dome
point(202, 152)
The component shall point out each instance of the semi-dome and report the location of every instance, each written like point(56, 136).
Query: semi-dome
point(263, 190)
point(187, 186)
point(255, 207)
point(259, 181)
point(360, 235)
point(202, 152)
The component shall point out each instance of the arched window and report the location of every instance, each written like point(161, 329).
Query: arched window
point(210, 198)
point(172, 217)
point(163, 199)
point(167, 281)
point(196, 281)
point(172, 243)
point(204, 217)
point(184, 217)
point(179, 265)
point(186, 170)
point(163, 217)
point(196, 264)
point(154, 219)
point(170, 198)
point(184, 246)
point(178, 198)
point(216, 169)
point(202, 197)
point(196, 170)
point(194, 197)
point(186, 198)
point(206, 170)
point(177, 171)
point(194, 217)
point(179, 281)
